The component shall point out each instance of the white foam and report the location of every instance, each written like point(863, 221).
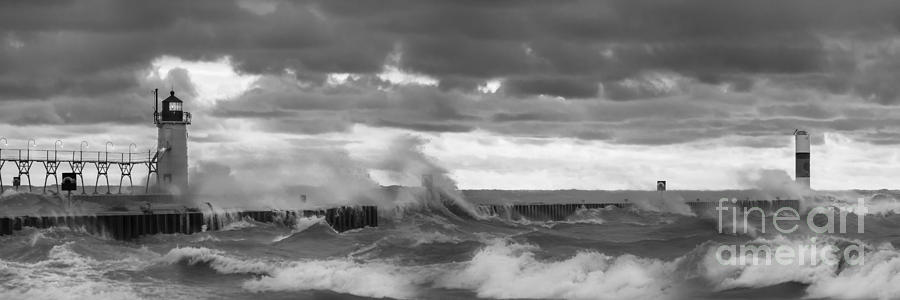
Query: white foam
point(300, 225)
point(877, 278)
point(507, 270)
point(759, 273)
point(65, 275)
point(242, 224)
point(372, 279)
point(218, 261)
point(587, 216)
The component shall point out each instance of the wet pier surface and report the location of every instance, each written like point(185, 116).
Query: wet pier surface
point(130, 225)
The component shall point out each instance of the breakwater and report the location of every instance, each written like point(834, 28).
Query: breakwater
point(562, 211)
point(129, 225)
point(768, 206)
point(542, 212)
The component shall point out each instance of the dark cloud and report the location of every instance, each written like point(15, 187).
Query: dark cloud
point(434, 127)
point(806, 110)
point(123, 107)
point(530, 116)
point(651, 72)
point(562, 87)
point(596, 40)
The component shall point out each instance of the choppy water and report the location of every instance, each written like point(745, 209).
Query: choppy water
point(434, 254)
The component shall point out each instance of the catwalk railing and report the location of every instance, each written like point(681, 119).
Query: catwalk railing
point(76, 162)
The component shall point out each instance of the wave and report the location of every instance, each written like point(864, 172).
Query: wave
point(755, 272)
point(502, 268)
point(876, 278)
point(238, 225)
point(435, 201)
point(505, 269)
point(65, 274)
point(581, 216)
point(301, 225)
point(482, 264)
point(508, 270)
point(875, 204)
point(371, 279)
point(602, 216)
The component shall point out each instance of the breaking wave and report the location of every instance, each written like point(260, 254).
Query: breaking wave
point(65, 274)
point(301, 225)
point(373, 279)
point(507, 270)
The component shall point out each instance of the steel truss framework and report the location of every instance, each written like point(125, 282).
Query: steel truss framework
point(25, 158)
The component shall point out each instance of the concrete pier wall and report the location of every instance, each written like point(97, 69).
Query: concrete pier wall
point(768, 206)
point(561, 212)
point(542, 212)
point(129, 226)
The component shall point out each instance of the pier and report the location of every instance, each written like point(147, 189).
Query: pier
point(561, 212)
point(168, 163)
point(542, 212)
point(127, 226)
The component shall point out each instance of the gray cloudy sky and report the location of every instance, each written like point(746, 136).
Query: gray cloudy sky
point(505, 94)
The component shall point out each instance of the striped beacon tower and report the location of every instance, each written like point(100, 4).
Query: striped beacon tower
point(802, 167)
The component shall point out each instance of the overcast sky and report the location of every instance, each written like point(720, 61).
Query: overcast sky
point(503, 94)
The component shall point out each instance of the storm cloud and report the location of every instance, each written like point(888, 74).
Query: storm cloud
point(629, 72)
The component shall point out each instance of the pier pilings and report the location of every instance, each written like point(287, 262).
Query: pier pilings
point(563, 211)
point(128, 226)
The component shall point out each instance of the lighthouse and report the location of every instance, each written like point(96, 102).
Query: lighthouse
point(802, 158)
point(172, 165)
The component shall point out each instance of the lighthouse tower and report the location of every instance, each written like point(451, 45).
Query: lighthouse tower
point(802, 158)
point(172, 123)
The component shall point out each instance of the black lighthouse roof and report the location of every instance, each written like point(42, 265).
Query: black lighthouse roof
point(172, 98)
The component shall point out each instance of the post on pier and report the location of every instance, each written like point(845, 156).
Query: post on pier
point(125, 168)
point(2, 162)
point(152, 165)
point(102, 170)
point(24, 167)
point(77, 164)
point(77, 168)
point(50, 167)
point(102, 165)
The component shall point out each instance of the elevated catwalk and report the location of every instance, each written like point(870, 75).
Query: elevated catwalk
point(77, 163)
point(130, 225)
